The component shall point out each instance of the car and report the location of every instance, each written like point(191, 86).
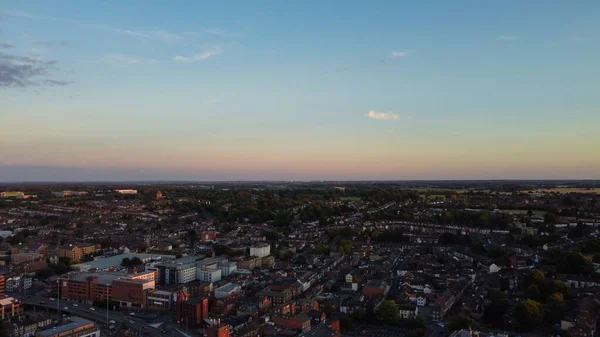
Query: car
point(132, 313)
point(92, 309)
point(75, 305)
point(51, 298)
point(132, 322)
point(66, 308)
point(441, 325)
point(112, 322)
point(111, 327)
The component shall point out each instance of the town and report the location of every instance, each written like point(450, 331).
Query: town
point(318, 259)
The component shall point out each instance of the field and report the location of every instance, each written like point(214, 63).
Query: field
point(564, 190)
point(522, 211)
point(350, 199)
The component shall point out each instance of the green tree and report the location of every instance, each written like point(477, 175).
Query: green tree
point(549, 218)
point(535, 277)
point(460, 322)
point(345, 322)
point(533, 292)
point(529, 314)
point(555, 307)
point(388, 311)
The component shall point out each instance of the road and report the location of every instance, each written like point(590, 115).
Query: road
point(139, 325)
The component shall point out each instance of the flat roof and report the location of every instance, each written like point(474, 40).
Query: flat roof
point(107, 262)
point(74, 322)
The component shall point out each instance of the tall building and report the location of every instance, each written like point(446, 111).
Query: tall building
point(73, 327)
point(191, 311)
point(260, 250)
point(176, 272)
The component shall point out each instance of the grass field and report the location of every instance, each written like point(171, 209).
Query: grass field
point(522, 211)
point(564, 190)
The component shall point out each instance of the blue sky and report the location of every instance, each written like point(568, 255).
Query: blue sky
point(300, 89)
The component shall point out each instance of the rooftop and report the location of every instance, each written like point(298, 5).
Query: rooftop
point(112, 261)
point(75, 322)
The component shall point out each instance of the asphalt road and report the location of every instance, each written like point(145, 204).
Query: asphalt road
point(139, 325)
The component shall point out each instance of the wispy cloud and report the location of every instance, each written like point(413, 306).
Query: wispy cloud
point(17, 14)
point(507, 37)
point(198, 57)
point(5, 45)
point(580, 38)
point(383, 116)
point(26, 71)
point(147, 36)
point(399, 53)
point(213, 31)
point(126, 59)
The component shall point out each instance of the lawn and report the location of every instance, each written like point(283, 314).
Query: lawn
point(564, 190)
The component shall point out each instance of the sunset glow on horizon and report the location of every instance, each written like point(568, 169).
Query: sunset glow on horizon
point(253, 92)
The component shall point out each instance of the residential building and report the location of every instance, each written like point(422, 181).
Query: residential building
point(76, 252)
point(208, 236)
point(217, 329)
point(10, 307)
point(260, 250)
point(408, 311)
point(299, 321)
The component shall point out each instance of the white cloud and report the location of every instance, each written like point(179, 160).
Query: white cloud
point(213, 31)
point(399, 53)
point(146, 36)
point(126, 59)
point(382, 116)
point(508, 37)
point(198, 57)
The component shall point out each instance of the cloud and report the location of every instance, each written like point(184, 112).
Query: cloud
point(5, 45)
point(399, 53)
point(507, 38)
point(126, 59)
point(198, 57)
point(26, 71)
point(18, 14)
point(57, 83)
point(146, 36)
point(213, 31)
point(382, 116)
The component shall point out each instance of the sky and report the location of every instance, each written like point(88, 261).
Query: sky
point(299, 90)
